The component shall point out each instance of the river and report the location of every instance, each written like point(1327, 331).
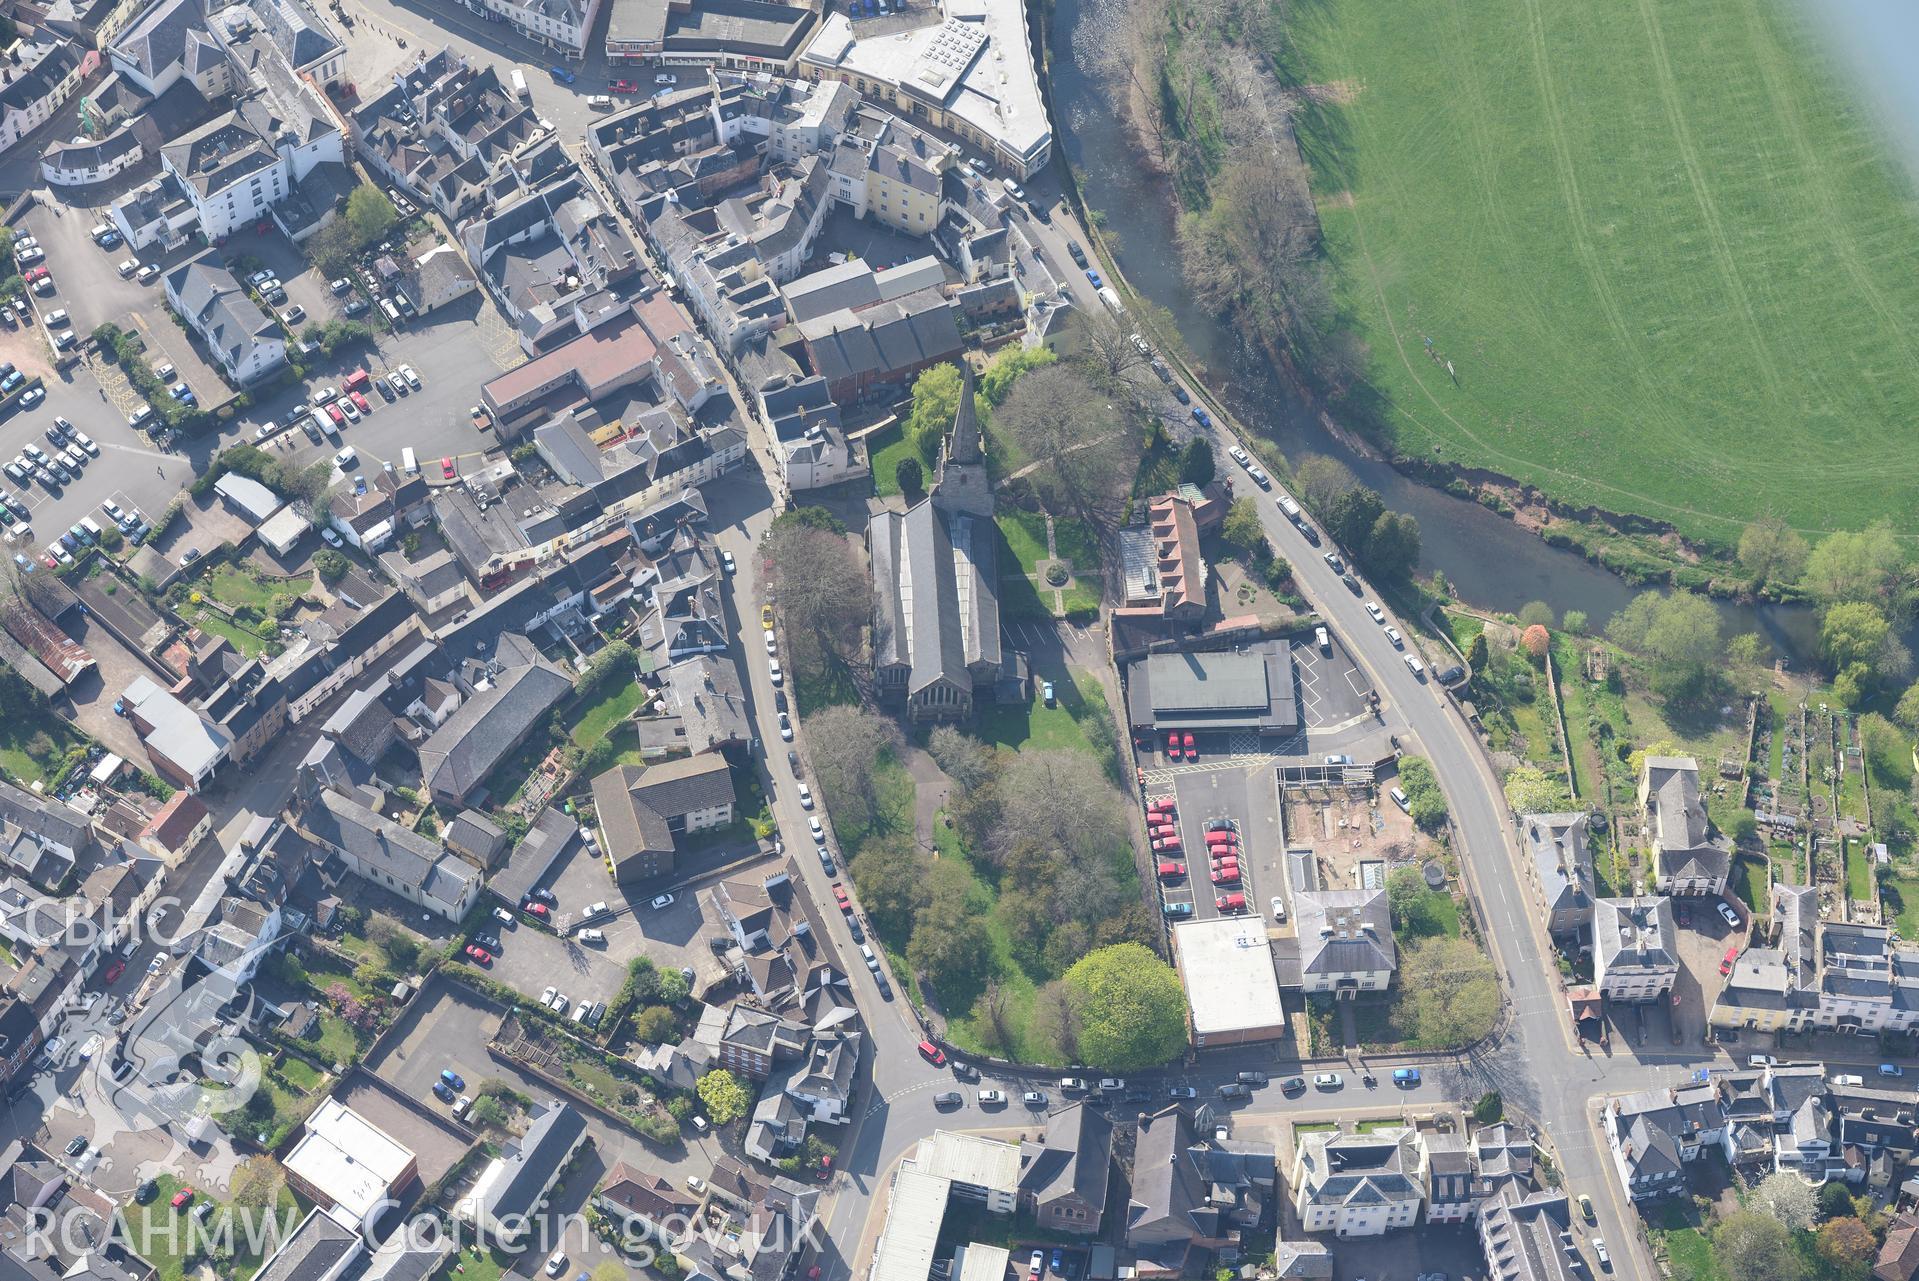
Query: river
point(1491, 562)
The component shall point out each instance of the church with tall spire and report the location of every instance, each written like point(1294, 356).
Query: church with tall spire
point(936, 633)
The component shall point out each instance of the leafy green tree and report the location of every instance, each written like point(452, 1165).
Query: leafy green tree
point(1449, 990)
point(1391, 550)
point(1351, 517)
point(950, 946)
point(1678, 635)
point(891, 878)
point(655, 1025)
point(1242, 527)
point(1756, 1247)
point(487, 1112)
point(1321, 480)
point(1834, 1200)
point(910, 476)
point(936, 398)
point(1006, 368)
point(970, 763)
point(1196, 464)
point(1536, 612)
point(1907, 712)
point(1424, 799)
point(725, 1098)
point(1130, 1007)
point(1415, 914)
point(1530, 790)
point(1772, 552)
point(673, 986)
point(1490, 1108)
point(1855, 566)
point(1477, 653)
point(331, 564)
point(1788, 1198)
point(1853, 632)
point(1574, 623)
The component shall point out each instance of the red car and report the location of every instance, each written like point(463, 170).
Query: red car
point(932, 1054)
point(839, 896)
point(1726, 961)
point(479, 954)
point(115, 970)
point(1166, 843)
point(534, 909)
point(333, 412)
point(1234, 902)
point(624, 86)
point(181, 1197)
point(1226, 875)
point(360, 402)
point(1164, 805)
point(446, 468)
point(50, 560)
point(1172, 870)
point(1222, 838)
point(1172, 746)
point(35, 274)
point(1192, 753)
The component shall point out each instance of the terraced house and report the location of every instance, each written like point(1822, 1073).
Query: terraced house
point(1815, 973)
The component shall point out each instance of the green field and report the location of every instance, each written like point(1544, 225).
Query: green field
point(1664, 251)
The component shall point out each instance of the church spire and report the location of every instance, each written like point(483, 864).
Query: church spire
point(965, 445)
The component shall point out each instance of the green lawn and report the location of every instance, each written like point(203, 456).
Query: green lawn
point(1858, 872)
point(615, 701)
point(31, 747)
point(244, 639)
point(1036, 727)
point(1659, 242)
point(300, 1074)
point(234, 587)
point(1906, 888)
point(1687, 1249)
point(166, 1237)
point(1075, 541)
point(1463, 627)
point(1749, 883)
point(885, 449)
point(1025, 534)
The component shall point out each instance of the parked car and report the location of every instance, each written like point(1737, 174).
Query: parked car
point(1728, 915)
point(1328, 1080)
point(1406, 1078)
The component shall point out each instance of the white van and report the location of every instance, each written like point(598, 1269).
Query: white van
point(520, 90)
point(392, 312)
point(1110, 296)
point(1291, 508)
point(409, 463)
point(1399, 798)
point(1325, 641)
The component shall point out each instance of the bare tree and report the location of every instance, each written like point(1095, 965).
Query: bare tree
point(1084, 448)
point(822, 589)
point(844, 744)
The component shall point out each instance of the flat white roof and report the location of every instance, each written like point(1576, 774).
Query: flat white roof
point(977, 64)
point(982, 1262)
point(972, 1159)
point(348, 1158)
point(913, 1218)
point(1227, 966)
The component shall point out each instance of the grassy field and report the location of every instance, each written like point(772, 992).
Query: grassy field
point(885, 450)
point(31, 748)
point(1660, 246)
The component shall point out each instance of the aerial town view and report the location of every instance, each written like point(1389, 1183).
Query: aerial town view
point(959, 640)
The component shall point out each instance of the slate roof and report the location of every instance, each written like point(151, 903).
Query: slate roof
point(459, 755)
point(1074, 1154)
point(1361, 937)
point(1562, 860)
point(1634, 934)
point(157, 38)
point(1380, 1167)
point(213, 302)
point(1524, 1239)
point(532, 1165)
point(316, 1247)
point(378, 842)
point(634, 804)
point(1681, 834)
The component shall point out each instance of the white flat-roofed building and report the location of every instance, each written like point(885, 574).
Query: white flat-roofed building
point(912, 1230)
point(346, 1161)
point(1232, 990)
point(971, 75)
point(979, 1168)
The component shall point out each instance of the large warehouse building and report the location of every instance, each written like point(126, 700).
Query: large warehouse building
point(1247, 693)
point(1232, 990)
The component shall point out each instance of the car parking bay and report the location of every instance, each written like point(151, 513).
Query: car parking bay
point(1332, 689)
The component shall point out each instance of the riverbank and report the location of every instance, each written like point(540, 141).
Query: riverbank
point(1116, 158)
